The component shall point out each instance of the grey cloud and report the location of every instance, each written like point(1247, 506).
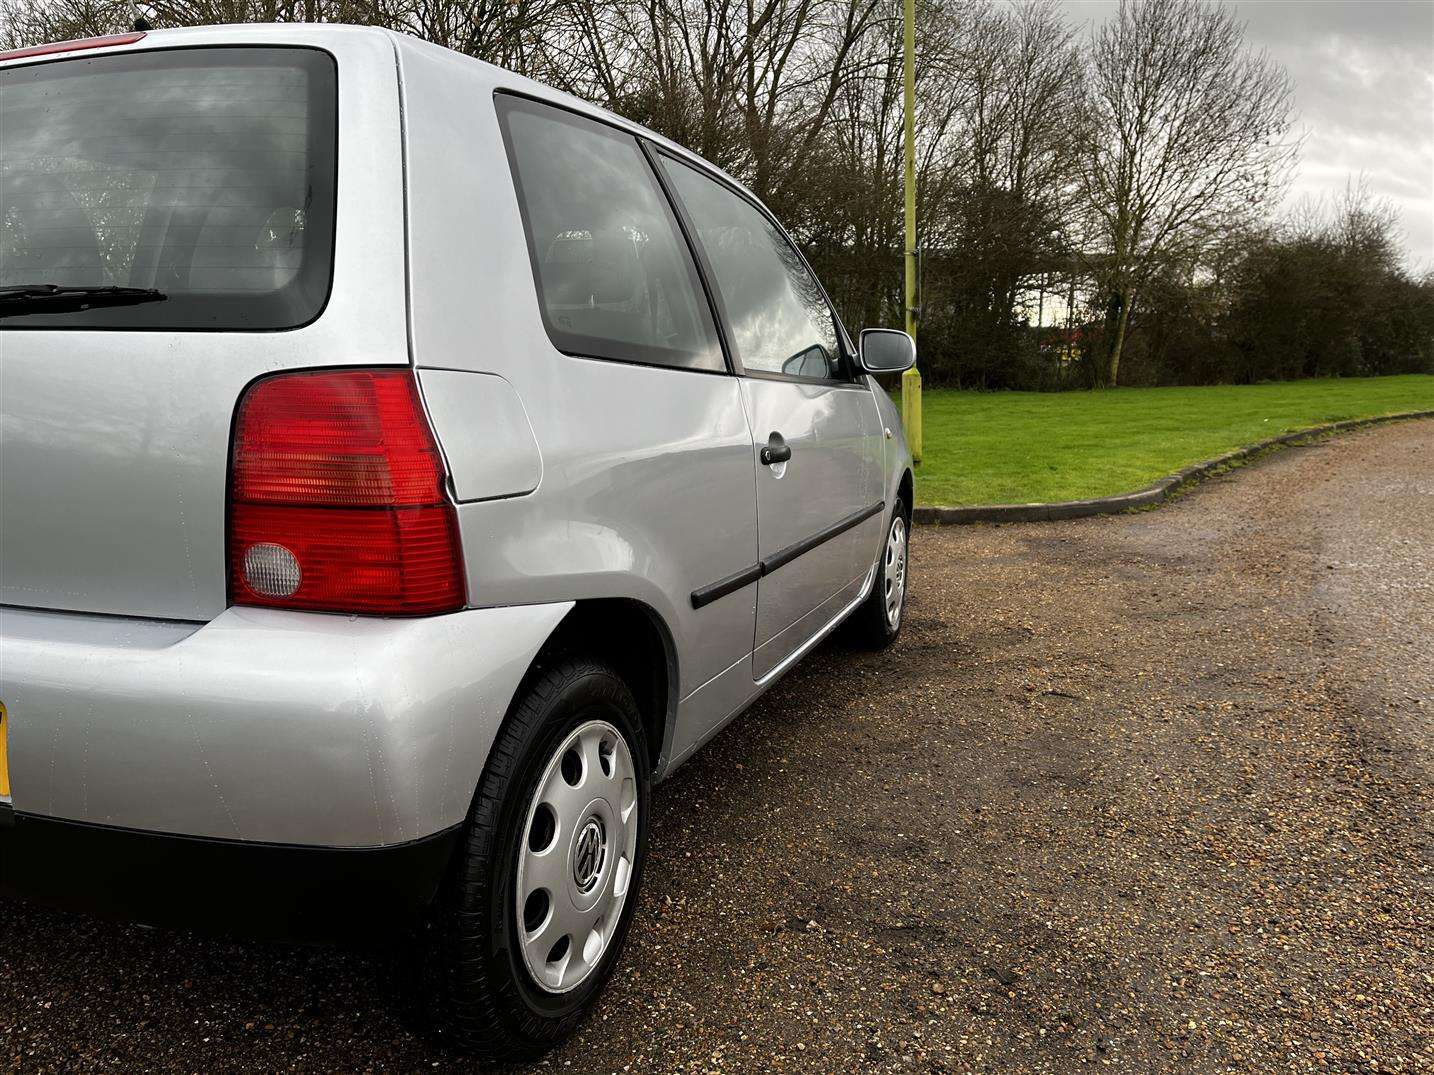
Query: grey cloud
point(1364, 86)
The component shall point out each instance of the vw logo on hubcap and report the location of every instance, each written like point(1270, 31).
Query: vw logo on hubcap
point(588, 853)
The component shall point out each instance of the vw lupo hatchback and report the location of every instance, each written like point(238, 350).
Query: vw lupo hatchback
point(404, 465)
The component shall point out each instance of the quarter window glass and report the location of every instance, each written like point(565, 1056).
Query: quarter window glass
point(780, 319)
point(615, 278)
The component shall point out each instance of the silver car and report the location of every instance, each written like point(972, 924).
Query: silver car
point(404, 467)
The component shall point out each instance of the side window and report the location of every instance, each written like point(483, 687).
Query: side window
point(615, 278)
point(780, 319)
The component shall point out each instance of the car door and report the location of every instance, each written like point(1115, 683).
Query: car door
point(646, 489)
point(816, 432)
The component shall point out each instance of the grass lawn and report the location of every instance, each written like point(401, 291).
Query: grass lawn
point(1018, 447)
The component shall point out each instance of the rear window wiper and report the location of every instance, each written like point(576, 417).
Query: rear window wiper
point(60, 298)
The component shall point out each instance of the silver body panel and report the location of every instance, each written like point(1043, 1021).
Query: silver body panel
point(283, 727)
point(136, 698)
point(116, 444)
point(834, 473)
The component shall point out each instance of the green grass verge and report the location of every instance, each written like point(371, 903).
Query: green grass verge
point(1022, 447)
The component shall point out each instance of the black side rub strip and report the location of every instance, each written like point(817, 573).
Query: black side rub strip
point(748, 575)
point(785, 556)
point(722, 587)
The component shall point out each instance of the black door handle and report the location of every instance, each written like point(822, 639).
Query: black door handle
point(776, 451)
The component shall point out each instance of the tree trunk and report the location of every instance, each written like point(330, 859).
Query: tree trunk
point(1121, 301)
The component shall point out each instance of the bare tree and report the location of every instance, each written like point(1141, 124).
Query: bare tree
point(1022, 151)
point(1185, 134)
point(851, 199)
point(1127, 176)
point(29, 22)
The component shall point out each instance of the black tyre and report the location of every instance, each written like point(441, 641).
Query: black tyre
point(533, 918)
point(877, 621)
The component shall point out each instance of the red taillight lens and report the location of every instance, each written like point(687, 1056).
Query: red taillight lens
point(337, 501)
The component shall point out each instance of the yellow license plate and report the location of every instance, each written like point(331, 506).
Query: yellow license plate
point(4, 754)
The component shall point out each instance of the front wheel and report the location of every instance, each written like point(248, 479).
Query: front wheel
point(877, 621)
point(531, 924)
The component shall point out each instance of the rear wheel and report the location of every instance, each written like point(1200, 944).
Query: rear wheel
point(877, 621)
point(533, 919)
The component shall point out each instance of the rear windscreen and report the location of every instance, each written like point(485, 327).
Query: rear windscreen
point(205, 174)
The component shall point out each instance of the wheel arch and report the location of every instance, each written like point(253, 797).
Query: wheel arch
point(906, 490)
point(632, 637)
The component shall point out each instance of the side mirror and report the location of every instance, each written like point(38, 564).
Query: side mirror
point(886, 350)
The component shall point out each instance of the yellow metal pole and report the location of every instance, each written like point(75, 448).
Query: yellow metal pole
point(911, 379)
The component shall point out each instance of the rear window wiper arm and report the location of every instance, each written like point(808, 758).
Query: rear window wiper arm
point(59, 298)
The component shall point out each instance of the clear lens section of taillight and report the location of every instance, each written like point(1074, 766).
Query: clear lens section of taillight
point(337, 498)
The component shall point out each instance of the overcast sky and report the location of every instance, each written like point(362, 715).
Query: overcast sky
point(1364, 86)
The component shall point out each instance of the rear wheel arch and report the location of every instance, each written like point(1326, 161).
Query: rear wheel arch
point(632, 638)
point(905, 489)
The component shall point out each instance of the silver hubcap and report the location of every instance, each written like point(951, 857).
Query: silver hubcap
point(895, 573)
point(579, 844)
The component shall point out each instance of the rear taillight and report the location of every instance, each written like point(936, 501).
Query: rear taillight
point(337, 498)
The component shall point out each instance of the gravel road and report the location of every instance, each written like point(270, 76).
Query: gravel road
point(1149, 792)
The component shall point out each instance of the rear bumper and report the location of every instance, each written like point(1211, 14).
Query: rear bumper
point(262, 726)
point(266, 891)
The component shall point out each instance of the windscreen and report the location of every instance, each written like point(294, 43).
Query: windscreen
point(203, 177)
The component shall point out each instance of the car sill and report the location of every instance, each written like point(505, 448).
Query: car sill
point(831, 625)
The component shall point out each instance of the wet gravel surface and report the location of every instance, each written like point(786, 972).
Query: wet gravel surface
point(1149, 792)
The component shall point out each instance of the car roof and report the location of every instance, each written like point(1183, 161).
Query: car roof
point(320, 34)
